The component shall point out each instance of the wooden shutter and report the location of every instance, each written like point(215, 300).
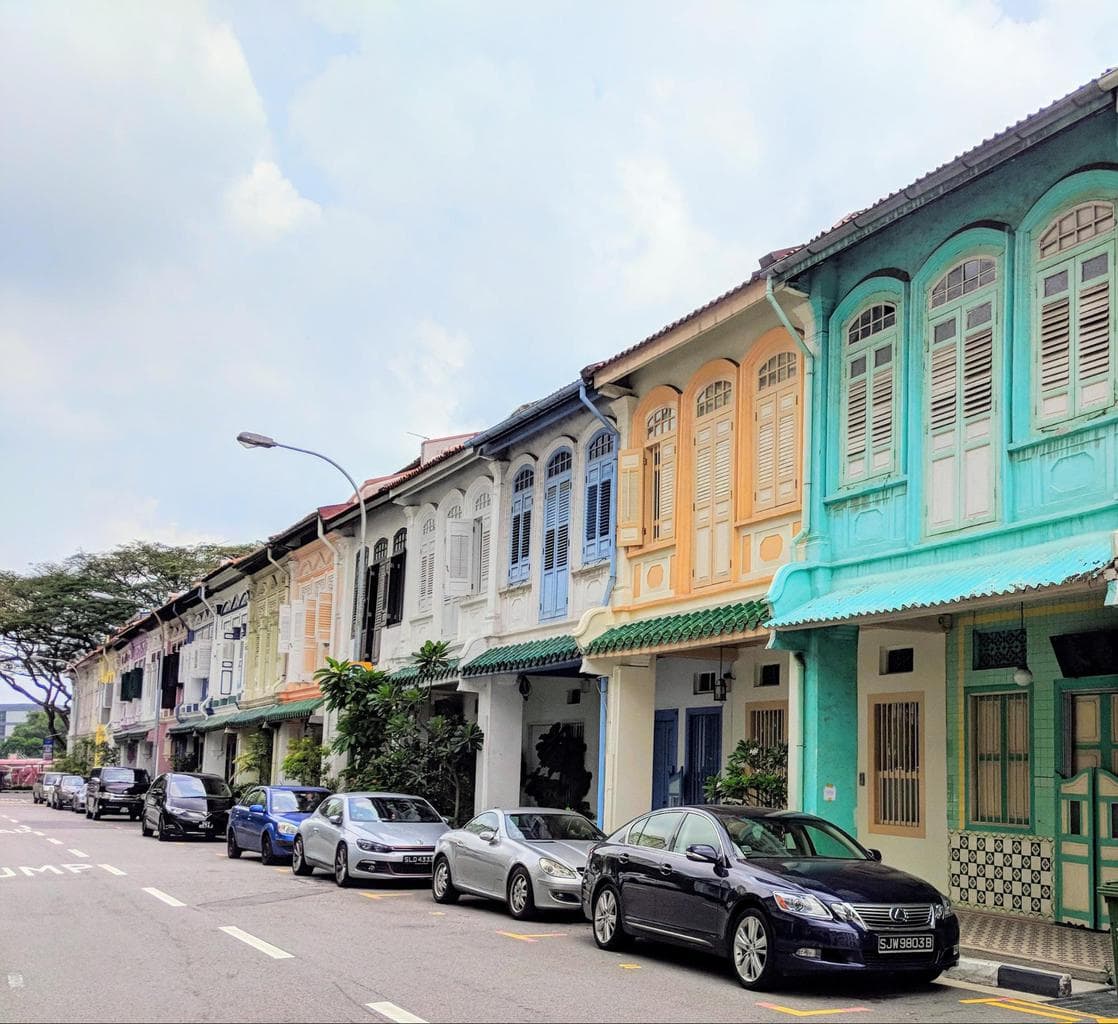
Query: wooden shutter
point(590, 513)
point(722, 498)
point(765, 461)
point(284, 644)
point(943, 424)
point(881, 412)
point(977, 467)
point(481, 553)
point(310, 634)
point(1094, 317)
point(702, 506)
point(630, 511)
point(1054, 347)
point(788, 443)
point(326, 616)
point(397, 574)
point(857, 396)
point(426, 573)
point(458, 537)
point(598, 526)
point(665, 489)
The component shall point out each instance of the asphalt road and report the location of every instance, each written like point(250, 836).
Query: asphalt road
point(99, 924)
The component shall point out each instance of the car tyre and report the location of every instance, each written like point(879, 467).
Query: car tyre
point(299, 863)
point(232, 850)
point(144, 830)
point(97, 810)
point(341, 867)
point(162, 835)
point(752, 950)
point(267, 855)
point(519, 896)
point(609, 932)
point(442, 886)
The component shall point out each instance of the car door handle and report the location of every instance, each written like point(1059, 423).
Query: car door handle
point(666, 869)
point(623, 858)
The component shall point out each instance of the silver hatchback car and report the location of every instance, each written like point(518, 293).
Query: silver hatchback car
point(531, 858)
point(368, 835)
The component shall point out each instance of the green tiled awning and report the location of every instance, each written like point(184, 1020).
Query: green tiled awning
point(180, 727)
point(521, 657)
point(294, 709)
point(410, 673)
point(934, 586)
point(684, 628)
point(251, 716)
point(130, 735)
point(214, 722)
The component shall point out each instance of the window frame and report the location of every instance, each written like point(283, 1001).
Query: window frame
point(874, 825)
point(598, 545)
point(1000, 693)
point(522, 491)
point(867, 347)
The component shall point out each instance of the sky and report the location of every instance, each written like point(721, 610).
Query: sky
point(345, 224)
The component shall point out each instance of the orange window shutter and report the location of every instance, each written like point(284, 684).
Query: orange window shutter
point(325, 617)
point(310, 634)
point(765, 439)
point(630, 511)
point(666, 489)
point(788, 447)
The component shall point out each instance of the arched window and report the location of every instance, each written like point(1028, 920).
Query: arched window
point(480, 546)
point(659, 481)
point(869, 358)
point(1075, 333)
point(598, 524)
point(397, 573)
point(963, 326)
point(374, 617)
point(776, 432)
point(556, 536)
point(521, 524)
point(712, 493)
point(481, 502)
point(426, 563)
point(454, 512)
point(380, 550)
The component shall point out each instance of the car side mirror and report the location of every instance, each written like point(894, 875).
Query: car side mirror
point(446, 820)
point(875, 855)
point(256, 809)
point(487, 835)
point(703, 854)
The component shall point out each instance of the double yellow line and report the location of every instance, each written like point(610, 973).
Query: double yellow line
point(1058, 1013)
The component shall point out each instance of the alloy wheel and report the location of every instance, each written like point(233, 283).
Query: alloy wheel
point(605, 916)
point(341, 867)
point(518, 893)
point(751, 949)
point(439, 882)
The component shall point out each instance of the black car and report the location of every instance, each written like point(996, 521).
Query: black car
point(186, 804)
point(119, 790)
point(775, 892)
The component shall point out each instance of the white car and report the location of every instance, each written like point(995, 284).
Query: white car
point(368, 835)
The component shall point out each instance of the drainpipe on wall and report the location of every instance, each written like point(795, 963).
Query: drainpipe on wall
point(811, 353)
point(616, 434)
point(603, 687)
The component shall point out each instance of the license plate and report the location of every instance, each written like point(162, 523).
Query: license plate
point(905, 943)
point(413, 859)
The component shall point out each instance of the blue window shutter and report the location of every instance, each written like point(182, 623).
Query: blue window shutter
point(514, 535)
point(606, 519)
point(600, 521)
point(547, 552)
point(590, 519)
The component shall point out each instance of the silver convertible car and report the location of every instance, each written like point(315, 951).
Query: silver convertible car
point(368, 835)
point(531, 858)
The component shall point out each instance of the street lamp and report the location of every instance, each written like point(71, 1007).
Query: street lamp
point(247, 439)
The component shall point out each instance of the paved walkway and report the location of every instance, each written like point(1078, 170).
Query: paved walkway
point(1081, 953)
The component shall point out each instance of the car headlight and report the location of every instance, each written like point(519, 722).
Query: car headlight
point(555, 869)
point(943, 909)
point(285, 828)
point(845, 912)
point(364, 844)
point(801, 905)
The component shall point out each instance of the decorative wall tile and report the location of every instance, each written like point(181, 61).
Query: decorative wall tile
point(1007, 872)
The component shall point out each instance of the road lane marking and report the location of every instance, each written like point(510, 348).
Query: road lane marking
point(630, 967)
point(57, 842)
point(532, 938)
point(395, 1013)
point(160, 895)
point(251, 940)
point(384, 895)
point(282, 871)
point(1032, 1009)
point(437, 913)
point(1066, 1011)
point(111, 870)
point(76, 853)
point(40, 833)
point(793, 1012)
point(15, 981)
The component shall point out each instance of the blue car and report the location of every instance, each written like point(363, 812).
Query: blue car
point(267, 819)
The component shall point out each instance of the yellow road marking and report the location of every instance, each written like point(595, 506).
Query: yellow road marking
point(630, 967)
point(792, 1012)
point(1034, 1010)
point(532, 938)
point(282, 871)
point(383, 895)
point(1063, 1009)
point(437, 913)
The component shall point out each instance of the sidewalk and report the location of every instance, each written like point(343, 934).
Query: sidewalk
point(1082, 954)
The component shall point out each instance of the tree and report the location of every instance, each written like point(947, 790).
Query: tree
point(84, 755)
point(393, 740)
point(561, 779)
point(58, 611)
point(26, 739)
point(305, 761)
point(753, 775)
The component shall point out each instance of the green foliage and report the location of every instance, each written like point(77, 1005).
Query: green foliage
point(754, 775)
point(393, 741)
point(431, 658)
point(305, 761)
point(561, 779)
point(84, 755)
point(27, 738)
point(58, 611)
point(256, 759)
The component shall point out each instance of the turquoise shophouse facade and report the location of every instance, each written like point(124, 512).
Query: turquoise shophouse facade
point(955, 610)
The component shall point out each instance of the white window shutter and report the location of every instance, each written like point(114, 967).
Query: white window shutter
point(881, 422)
point(722, 498)
point(310, 634)
point(665, 525)
point(284, 628)
point(298, 611)
point(481, 554)
point(426, 573)
point(458, 536)
point(857, 389)
point(788, 444)
point(630, 525)
point(702, 507)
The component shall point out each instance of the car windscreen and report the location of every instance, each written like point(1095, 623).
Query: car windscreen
point(543, 827)
point(187, 786)
point(51, 778)
point(301, 801)
point(798, 838)
point(71, 781)
point(392, 808)
point(123, 775)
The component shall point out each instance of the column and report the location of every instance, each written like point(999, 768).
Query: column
point(795, 731)
point(500, 715)
point(830, 724)
point(630, 714)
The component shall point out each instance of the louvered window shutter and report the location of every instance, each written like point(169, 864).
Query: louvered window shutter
point(1095, 326)
point(458, 536)
point(882, 416)
point(481, 555)
point(630, 526)
point(605, 510)
point(1054, 349)
point(702, 508)
point(284, 645)
point(976, 436)
point(514, 538)
point(722, 498)
point(397, 574)
point(426, 573)
point(788, 445)
point(310, 634)
point(664, 490)
point(325, 616)
point(590, 514)
point(942, 424)
point(764, 465)
point(857, 388)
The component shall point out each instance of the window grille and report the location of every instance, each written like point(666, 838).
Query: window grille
point(482, 501)
point(380, 550)
point(999, 771)
point(776, 370)
point(879, 317)
point(560, 462)
point(1079, 225)
point(713, 397)
point(897, 770)
point(454, 512)
point(524, 480)
point(600, 446)
point(964, 278)
point(661, 422)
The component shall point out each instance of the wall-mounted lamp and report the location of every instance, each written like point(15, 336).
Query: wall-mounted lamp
point(1023, 675)
point(722, 682)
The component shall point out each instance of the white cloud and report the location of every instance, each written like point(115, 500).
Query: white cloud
point(428, 372)
point(264, 203)
point(123, 517)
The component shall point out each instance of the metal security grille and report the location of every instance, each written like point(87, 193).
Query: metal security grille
point(1000, 758)
point(998, 648)
point(897, 771)
point(767, 725)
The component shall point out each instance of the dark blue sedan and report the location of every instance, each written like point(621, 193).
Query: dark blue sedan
point(267, 820)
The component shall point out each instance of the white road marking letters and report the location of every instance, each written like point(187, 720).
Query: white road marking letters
point(15, 981)
point(160, 895)
point(111, 870)
point(393, 1012)
point(76, 853)
point(57, 842)
point(251, 940)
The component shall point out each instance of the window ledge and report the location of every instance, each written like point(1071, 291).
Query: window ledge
point(591, 568)
point(514, 588)
point(472, 600)
point(1061, 432)
point(635, 551)
point(866, 491)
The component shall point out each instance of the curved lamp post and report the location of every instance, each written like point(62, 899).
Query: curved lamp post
point(248, 439)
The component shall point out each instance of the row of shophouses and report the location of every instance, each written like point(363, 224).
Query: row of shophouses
point(863, 503)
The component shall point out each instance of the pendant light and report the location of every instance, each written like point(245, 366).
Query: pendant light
point(1023, 675)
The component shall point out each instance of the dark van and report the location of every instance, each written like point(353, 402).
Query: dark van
point(119, 790)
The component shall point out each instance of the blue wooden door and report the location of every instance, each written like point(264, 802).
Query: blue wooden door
point(703, 756)
point(556, 538)
point(665, 744)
